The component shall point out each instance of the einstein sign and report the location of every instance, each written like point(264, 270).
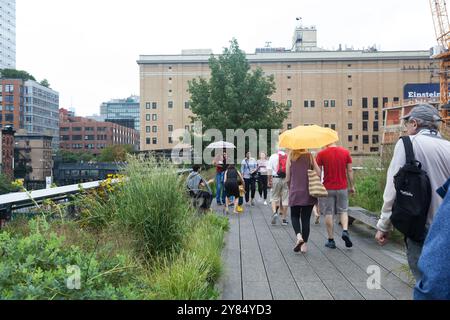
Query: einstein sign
point(421, 90)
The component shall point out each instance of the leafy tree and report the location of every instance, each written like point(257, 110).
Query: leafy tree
point(235, 97)
point(45, 83)
point(73, 157)
point(6, 186)
point(16, 74)
point(115, 153)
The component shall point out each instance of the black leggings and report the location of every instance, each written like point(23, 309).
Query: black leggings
point(250, 186)
point(262, 186)
point(303, 213)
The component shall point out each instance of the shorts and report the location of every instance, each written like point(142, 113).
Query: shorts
point(231, 189)
point(335, 203)
point(280, 190)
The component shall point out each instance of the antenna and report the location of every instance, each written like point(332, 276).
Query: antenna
point(268, 43)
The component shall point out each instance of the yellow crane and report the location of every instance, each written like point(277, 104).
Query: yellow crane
point(442, 30)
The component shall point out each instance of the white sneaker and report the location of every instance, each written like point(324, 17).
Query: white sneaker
point(274, 218)
point(265, 203)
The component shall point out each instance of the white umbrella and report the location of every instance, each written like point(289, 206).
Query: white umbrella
point(221, 145)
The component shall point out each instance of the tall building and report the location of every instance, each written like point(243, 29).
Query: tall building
point(30, 106)
point(344, 90)
point(80, 134)
point(7, 34)
point(124, 112)
point(7, 152)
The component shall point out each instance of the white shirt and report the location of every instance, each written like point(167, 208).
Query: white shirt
point(273, 163)
point(434, 155)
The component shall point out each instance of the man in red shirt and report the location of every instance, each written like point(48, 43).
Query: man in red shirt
point(337, 165)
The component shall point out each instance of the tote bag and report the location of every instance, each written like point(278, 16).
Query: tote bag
point(316, 188)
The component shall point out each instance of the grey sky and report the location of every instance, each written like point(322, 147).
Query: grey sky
point(87, 49)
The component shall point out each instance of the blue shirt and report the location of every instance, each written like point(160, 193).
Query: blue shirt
point(434, 263)
point(248, 166)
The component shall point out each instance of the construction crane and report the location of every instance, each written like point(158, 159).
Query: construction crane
point(442, 30)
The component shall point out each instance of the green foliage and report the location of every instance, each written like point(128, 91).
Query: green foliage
point(35, 267)
point(115, 153)
point(235, 97)
point(74, 157)
point(45, 83)
point(6, 186)
point(16, 74)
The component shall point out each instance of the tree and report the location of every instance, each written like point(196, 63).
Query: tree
point(115, 153)
point(6, 186)
point(16, 74)
point(235, 97)
point(45, 83)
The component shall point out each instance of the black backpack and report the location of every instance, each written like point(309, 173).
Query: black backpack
point(410, 209)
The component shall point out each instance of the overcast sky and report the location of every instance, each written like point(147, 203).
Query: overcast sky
point(87, 49)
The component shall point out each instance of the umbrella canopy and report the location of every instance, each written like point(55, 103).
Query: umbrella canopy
point(307, 137)
point(221, 145)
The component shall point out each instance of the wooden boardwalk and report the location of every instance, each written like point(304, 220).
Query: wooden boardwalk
point(259, 263)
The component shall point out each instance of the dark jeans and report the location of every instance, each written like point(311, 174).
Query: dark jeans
point(302, 213)
point(413, 253)
point(250, 186)
point(262, 186)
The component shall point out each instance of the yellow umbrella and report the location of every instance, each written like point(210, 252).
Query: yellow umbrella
point(307, 137)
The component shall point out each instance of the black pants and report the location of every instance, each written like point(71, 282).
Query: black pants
point(262, 186)
point(302, 213)
point(250, 186)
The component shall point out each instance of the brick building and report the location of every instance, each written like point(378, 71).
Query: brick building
point(7, 152)
point(79, 134)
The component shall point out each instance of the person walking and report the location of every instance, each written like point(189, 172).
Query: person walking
point(220, 161)
point(232, 179)
point(433, 153)
point(249, 170)
point(277, 181)
point(262, 176)
point(300, 201)
point(337, 167)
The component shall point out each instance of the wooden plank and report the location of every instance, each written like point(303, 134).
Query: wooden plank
point(363, 215)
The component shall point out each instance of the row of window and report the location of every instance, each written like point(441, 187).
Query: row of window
point(332, 103)
point(375, 139)
point(155, 140)
point(86, 146)
point(99, 129)
point(154, 105)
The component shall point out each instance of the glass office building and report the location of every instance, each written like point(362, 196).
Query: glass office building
point(124, 112)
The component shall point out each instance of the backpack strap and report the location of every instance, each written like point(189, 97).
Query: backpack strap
point(408, 150)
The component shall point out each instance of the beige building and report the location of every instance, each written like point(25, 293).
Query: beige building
point(345, 90)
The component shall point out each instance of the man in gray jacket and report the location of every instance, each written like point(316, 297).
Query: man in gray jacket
point(433, 152)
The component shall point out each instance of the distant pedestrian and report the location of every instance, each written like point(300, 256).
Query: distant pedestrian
point(337, 167)
point(262, 176)
point(300, 201)
point(434, 262)
point(220, 161)
point(433, 153)
point(277, 181)
point(232, 180)
point(199, 189)
point(249, 170)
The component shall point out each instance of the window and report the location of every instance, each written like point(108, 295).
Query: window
point(350, 138)
point(89, 137)
point(396, 99)
point(374, 149)
point(186, 128)
point(375, 126)
point(154, 129)
point(9, 117)
point(170, 104)
point(375, 102)
point(333, 126)
point(306, 103)
point(65, 138)
point(288, 65)
point(76, 129)
point(9, 88)
point(154, 117)
point(170, 140)
point(365, 115)
point(170, 127)
point(147, 140)
point(376, 115)
point(349, 102)
point(147, 105)
point(325, 103)
point(289, 126)
point(375, 139)
point(147, 129)
point(349, 76)
point(154, 105)
point(288, 77)
point(365, 139)
point(350, 126)
point(326, 125)
point(332, 103)
point(186, 105)
point(355, 148)
point(289, 89)
point(364, 102)
point(154, 141)
point(312, 103)
point(89, 129)
point(365, 127)
point(289, 103)
point(385, 102)
point(77, 137)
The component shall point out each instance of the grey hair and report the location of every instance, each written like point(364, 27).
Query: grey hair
point(423, 124)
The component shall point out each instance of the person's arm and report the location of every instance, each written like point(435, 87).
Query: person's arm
point(350, 177)
point(240, 176)
point(225, 176)
point(316, 167)
point(288, 169)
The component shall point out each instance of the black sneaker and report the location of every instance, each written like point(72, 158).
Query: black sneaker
point(330, 244)
point(285, 222)
point(346, 238)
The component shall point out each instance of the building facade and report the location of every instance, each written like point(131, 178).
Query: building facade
point(344, 90)
point(7, 34)
point(124, 112)
point(30, 106)
point(7, 152)
point(79, 134)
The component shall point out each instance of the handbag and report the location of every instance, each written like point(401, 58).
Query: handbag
point(316, 188)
